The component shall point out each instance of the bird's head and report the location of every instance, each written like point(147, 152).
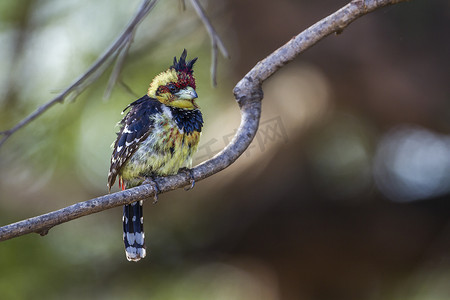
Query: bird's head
point(176, 86)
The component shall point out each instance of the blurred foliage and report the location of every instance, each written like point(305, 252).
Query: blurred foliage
point(342, 195)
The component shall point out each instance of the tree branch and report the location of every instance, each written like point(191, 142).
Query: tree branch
point(248, 93)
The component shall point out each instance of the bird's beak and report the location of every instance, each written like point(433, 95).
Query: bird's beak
point(185, 98)
point(186, 94)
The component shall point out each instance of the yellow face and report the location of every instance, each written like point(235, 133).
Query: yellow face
point(167, 89)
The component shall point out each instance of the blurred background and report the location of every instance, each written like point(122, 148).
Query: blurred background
point(344, 193)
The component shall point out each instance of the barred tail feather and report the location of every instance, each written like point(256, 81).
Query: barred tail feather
point(133, 231)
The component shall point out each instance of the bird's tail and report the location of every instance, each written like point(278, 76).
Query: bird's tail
point(133, 231)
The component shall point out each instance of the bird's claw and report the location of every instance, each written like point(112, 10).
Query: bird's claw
point(152, 182)
point(191, 178)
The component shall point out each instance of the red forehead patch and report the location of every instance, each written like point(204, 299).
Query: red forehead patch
point(185, 79)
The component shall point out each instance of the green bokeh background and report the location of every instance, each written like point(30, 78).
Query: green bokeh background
point(344, 194)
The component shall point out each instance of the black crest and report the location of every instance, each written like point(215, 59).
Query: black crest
point(182, 65)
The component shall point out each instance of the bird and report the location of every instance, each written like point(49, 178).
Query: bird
point(158, 137)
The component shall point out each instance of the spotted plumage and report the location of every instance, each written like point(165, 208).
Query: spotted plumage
point(158, 135)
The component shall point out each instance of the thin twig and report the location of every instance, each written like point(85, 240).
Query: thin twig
point(215, 39)
point(120, 60)
point(95, 70)
point(248, 93)
point(119, 49)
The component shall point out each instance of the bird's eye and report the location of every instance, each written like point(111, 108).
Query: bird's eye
point(172, 88)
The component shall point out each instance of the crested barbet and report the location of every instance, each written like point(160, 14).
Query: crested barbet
point(158, 137)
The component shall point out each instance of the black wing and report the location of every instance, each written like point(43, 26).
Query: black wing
point(135, 127)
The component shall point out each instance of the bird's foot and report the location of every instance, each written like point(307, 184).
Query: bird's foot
point(152, 182)
point(191, 176)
